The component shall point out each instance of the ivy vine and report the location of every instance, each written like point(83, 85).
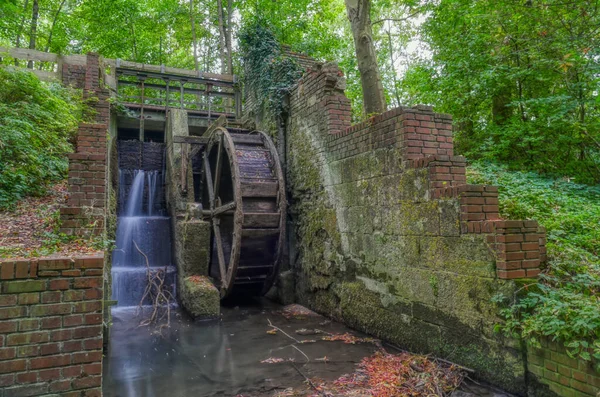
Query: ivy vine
point(269, 75)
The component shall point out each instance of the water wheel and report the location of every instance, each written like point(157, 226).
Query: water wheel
point(244, 198)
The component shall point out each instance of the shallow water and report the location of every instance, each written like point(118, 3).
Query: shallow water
point(223, 358)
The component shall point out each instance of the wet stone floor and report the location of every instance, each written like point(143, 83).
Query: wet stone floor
point(223, 357)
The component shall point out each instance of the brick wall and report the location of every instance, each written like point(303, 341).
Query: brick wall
point(552, 367)
point(73, 75)
point(423, 139)
point(390, 239)
point(85, 212)
point(51, 326)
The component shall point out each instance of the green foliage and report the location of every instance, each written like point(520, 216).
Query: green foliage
point(520, 79)
point(268, 75)
point(37, 121)
point(564, 304)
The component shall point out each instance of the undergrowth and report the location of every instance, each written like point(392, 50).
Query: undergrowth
point(563, 303)
point(37, 123)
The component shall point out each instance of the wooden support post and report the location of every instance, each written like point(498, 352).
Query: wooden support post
point(181, 91)
point(142, 113)
point(167, 95)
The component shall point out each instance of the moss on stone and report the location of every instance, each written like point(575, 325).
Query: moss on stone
point(200, 297)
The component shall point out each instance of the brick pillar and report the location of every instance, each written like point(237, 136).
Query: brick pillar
point(85, 210)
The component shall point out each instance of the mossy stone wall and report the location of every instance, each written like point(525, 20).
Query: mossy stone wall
point(372, 248)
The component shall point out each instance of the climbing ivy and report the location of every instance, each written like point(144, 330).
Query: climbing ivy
point(268, 74)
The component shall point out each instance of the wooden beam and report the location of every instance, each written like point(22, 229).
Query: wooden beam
point(193, 140)
point(169, 70)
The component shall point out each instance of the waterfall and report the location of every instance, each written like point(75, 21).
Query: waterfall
point(141, 223)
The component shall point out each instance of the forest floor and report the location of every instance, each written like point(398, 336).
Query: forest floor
point(31, 228)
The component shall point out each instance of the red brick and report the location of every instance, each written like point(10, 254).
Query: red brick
point(72, 295)
point(50, 362)
point(27, 377)
point(87, 382)
point(49, 374)
point(7, 380)
point(61, 385)
point(88, 282)
point(87, 306)
point(7, 353)
point(7, 271)
point(26, 338)
point(51, 322)
point(8, 326)
point(92, 369)
point(8, 300)
point(61, 335)
point(93, 344)
point(12, 312)
point(51, 297)
point(73, 320)
point(72, 346)
point(87, 332)
point(71, 372)
point(59, 284)
point(28, 351)
point(12, 366)
point(29, 324)
point(93, 318)
point(50, 348)
point(29, 298)
point(87, 357)
point(51, 309)
point(93, 293)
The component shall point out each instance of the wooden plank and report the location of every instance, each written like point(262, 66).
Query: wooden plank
point(220, 122)
point(194, 91)
point(193, 140)
point(260, 233)
point(27, 54)
point(261, 219)
point(247, 139)
point(169, 70)
point(224, 208)
point(260, 189)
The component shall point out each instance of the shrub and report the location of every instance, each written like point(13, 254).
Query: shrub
point(564, 303)
point(37, 122)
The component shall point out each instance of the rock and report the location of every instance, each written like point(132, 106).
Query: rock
point(200, 297)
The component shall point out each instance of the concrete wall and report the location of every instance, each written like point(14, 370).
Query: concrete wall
point(51, 326)
point(389, 239)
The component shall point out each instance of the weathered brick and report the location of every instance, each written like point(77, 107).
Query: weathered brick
point(50, 361)
point(51, 309)
point(12, 366)
point(26, 338)
point(24, 286)
point(87, 382)
point(87, 357)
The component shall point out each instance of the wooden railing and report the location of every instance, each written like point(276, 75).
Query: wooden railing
point(143, 86)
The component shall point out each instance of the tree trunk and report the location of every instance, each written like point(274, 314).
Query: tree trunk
point(360, 23)
point(20, 31)
point(194, 41)
point(228, 36)
point(222, 37)
point(62, 3)
point(33, 32)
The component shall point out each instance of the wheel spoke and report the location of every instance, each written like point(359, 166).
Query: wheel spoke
point(220, 255)
point(218, 169)
point(223, 208)
point(209, 181)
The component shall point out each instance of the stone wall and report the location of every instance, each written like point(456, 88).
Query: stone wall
point(51, 326)
point(552, 371)
point(391, 240)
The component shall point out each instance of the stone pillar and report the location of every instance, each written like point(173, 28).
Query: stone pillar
point(191, 239)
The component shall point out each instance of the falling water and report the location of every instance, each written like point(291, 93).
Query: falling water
point(143, 237)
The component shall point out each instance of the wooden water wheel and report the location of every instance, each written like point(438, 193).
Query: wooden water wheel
point(244, 194)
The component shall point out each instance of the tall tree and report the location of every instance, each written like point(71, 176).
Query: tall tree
point(194, 39)
point(35, 13)
point(359, 14)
